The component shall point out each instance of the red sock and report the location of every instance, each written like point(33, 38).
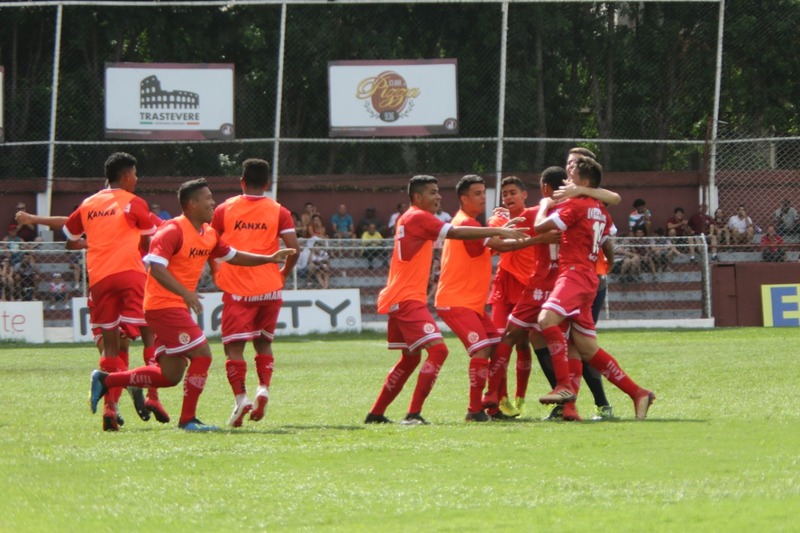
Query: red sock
point(427, 376)
point(237, 376)
point(111, 365)
point(264, 364)
point(144, 376)
point(575, 374)
point(124, 361)
point(193, 385)
point(497, 371)
point(478, 373)
point(523, 370)
point(149, 356)
point(395, 381)
point(557, 345)
point(605, 363)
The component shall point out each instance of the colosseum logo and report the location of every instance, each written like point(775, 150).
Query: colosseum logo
point(158, 105)
point(387, 96)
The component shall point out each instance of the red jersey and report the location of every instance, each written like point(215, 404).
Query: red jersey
point(184, 251)
point(585, 225)
point(410, 267)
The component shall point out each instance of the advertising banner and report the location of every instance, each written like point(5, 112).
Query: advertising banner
point(780, 305)
point(169, 101)
point(393, 98)
point(303, 312)
point(22, 321)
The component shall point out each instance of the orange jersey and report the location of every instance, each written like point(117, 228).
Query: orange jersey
point(184, 251)
point(466, 271)
point(251, 224)
point(519, 263)
point(113, 221)
point(410, 267)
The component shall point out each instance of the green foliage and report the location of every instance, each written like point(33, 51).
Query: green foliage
point(716, 452)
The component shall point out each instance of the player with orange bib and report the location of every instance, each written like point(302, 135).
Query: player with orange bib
point(114, 221)
point(411, 327)
point(253, 296)
point(177, 256)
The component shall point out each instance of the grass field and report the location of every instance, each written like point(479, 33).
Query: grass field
point(719, 452)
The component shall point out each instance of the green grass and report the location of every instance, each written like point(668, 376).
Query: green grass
point(718, 452)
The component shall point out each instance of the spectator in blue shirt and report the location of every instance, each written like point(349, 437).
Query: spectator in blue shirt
point(342, 224)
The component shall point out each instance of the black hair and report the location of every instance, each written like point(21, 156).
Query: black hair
point(116, 164)
point(418, 183)
point(513, 180)
point(255, 172)
point(554, 177)
point(188, 190)
point(639, 202)
point(468, 181)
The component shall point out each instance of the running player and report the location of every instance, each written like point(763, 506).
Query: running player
point(177, 255)
point(411, 327)
point(585, 224)
point(252, 297)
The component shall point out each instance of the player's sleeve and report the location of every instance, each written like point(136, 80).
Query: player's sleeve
point(561, 217)
point(222, 252)
point(156, 220)
point(139, 214)
point(164, 245)
point(218, 221)
point(73, 229)
point(474, 247)
point(285, 222)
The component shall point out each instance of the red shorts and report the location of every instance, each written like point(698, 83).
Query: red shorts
point(572, 298)
point(176, 332)
point(475, 331)
point(506, 288)
point(526, 312)
point(246, 320)
point(118, 298)
point(411, 326)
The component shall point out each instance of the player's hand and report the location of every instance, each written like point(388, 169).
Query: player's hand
point(551, 237)
point(501, 212)
point(192, 300)
point(511, 233)
point(281, 255)
point(23, 218)
point(546, 203)
point(513, 224)
point(568, 190)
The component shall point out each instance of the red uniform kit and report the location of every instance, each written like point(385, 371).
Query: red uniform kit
point(252, 295)
point(585, 224)
point(184, 251)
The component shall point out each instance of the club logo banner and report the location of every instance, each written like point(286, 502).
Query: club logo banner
point(169, 101)
point(393, 98)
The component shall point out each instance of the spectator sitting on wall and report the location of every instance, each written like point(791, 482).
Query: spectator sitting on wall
point(370, 217)
point(401, 208)
point(26, 275)
point(665, 251)
point(319, 262)
point(342, 224)
point(771, 246)
point(316, 228)
point(372, 242)
point(721, 227)
point(309, 210)
point(640, 215)
point(57, 291)
point(742, 227)
point(703, 225)
point(678, 226)
point(13, 243)
point(155, 208)
point(786, 219)
point(26, 232)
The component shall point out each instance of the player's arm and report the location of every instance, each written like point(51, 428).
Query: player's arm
point(167, 280)
point(608, 250)
point(247, 259)
point(543, 223)
point(473, 232)
point(570, 190)
point(290, 241)
point(29, 220)
point(507, 245)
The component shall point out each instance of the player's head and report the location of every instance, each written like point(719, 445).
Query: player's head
point(255, 174)
point(575, 153)
point(120, 170)
point(552, 178)
point(587, 172)
point(423, 192)
point(471, 191)
point(513, 193)
point(196, 200)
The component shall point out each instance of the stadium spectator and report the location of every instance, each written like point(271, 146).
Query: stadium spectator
point(316, 228)
point(57, 291)
point(628, 262)
point(155, 208)
point(702, 224)
point(642, 246)
point(13, 243)
point(443, 215)
point(640, 215)
point(178, 253)
point(579, 219)
point(721, 227)
point(342, 224)
point(115, 222)
point(298, 225)
point(772, 246)
point(741, 227)
point(372, 242)
point(309, 210)
point(7, 279)
point(370, 217)
point(786, 219)
point(392, 226)
point(678, 226)
point(25, 231)
point(411, 327)
point(664, 251)
point(319, 262)
point(26, 277)
point(252, 297)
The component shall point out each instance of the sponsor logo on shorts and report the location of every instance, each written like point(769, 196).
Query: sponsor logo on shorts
point(538, 294)
point(473, 337)
point(429, 328)
point(184, 338)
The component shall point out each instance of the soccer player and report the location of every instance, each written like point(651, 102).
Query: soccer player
point(252, 297)
point(411, 327)
point(585, 224)
point(114, 221)
point(464, 281)
point(177, 255)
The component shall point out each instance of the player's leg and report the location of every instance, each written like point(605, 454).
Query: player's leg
point(591, 376)
point(267, 320)
point(153, 402)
